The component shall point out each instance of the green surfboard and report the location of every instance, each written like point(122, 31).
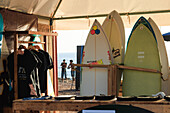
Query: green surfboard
point(142, 52)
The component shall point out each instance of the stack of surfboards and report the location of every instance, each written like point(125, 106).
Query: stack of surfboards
point(143, 52)
point(104, 45)
point(145, 49)
point(163, 58)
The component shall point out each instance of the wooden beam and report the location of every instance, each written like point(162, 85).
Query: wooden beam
point(139, 69)
point(31, 42)
point(42, 33)
point(31, 33)
point(92, 65)
point(119, 67)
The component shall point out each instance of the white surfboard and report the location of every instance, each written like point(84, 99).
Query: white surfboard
point(114, 29)
point(163, 58)
point(94, 81)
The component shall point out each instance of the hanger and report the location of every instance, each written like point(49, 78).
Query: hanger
point(21, 49)
point(37, 47)
point(30, 47)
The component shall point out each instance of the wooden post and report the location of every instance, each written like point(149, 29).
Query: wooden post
point(45, 45)
point(15, 66)
point(45, 49)
point(55, 73)
point(114, 76)
point(110, 80)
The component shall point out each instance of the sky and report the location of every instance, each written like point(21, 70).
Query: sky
point(68, 40)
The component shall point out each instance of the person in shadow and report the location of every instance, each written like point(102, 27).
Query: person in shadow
point(63, 72)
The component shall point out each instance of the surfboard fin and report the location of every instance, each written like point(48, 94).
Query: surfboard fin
point(162, 94)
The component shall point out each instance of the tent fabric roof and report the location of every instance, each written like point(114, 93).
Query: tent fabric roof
point(158, 10)
point(37, 7)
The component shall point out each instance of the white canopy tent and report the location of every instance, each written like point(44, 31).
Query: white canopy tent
point(79, 14)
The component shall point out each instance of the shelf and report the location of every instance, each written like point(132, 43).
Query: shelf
point(31, 33)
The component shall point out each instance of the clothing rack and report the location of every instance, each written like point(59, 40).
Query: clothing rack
point(54, 50)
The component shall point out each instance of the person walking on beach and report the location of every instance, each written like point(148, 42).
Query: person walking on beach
point(72, 69)
point(63, 65)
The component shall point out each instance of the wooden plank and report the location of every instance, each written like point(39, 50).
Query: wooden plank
point(72, 105)
point(160, 106)
point(139, 69)
point(15, 67)
point(42, 33)
point(114, 79)
point(109, 80)
point(31, 42)
point(31, 33)
point(92, 65)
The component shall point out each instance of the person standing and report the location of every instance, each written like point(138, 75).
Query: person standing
point(63, 65)
point(72, 69)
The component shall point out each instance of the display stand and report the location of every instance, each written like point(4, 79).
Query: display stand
point(29, 33)
point(113, 71)
point(159, 106)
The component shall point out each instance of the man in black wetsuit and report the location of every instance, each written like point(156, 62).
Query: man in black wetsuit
point(63, 72)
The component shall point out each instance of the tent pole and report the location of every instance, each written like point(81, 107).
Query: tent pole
point(56, 9)
point(121, 14)
point(51, 19)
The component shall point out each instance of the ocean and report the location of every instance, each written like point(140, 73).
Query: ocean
point(67, 57)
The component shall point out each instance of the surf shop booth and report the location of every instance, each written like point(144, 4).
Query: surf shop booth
point(20, 28)
point(104, 103)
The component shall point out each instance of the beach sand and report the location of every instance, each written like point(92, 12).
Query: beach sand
point(67, 87)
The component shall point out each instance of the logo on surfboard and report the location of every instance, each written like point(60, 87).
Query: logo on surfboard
point(115, 52)
point(95, 30)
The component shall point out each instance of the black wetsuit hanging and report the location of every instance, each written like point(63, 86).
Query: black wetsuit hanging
point(26, 64)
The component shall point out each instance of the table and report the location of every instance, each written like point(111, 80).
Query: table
point(56, 105)
point(160, 106)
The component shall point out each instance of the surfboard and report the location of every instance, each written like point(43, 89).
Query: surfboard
point(163, 58)
point(114, 29)
point(1, 37)
point(94, 81)
point(142, 51)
